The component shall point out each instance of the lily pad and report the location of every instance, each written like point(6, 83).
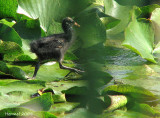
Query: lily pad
point(138, 93)
point(10, 50)
point(7, 22)
point(139, 37)
point(13, 71)
point(114, 102)
point(29, 30)
point(8, 8)
point(9, 34)
point(146, 109)
point(60, 108)
point(76, 91)
point(156, 24)
point(17, 73)
point(41, 103)
point(16, 92)
point(3, 67)
point(121, 12)
point(92, 31)
point(50, 9)
point(23, 112)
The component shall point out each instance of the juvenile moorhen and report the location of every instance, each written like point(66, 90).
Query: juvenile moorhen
point(55, 46)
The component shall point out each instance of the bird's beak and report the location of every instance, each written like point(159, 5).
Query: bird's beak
point(76, 24)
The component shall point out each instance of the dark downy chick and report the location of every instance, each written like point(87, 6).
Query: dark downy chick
point(55, 46)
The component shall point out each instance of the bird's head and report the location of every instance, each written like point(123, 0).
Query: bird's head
point(69, 22)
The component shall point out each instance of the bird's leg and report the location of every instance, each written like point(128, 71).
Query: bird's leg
point(68, 74)
point(69, 68)
point(36, 70)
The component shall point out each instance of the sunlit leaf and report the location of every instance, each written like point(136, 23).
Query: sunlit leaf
point(61, 108)
point(16, 92)
point(41, 103)
point(48, 10)
point(139, 37)
point(117, 11)
point(23, 112)
point(7, 22)
point(114, 102)
point(136, 92)
point(145, 109)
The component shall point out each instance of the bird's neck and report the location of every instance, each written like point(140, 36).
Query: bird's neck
point(69, 32)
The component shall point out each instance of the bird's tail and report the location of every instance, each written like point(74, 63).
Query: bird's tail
point(33, 46)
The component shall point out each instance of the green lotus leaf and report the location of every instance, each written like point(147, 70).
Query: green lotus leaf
point(137, 93)
point(139, 37)
point(9, 34)
point(11, 50)
point(17, 73)
point(41, 103)
point(145, 109)
point(48, 10)
point(23, 112)
point(8, 8)
point(121, 12)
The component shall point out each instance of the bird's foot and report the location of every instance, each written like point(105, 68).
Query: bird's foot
point(79, 71)
point(75, 70)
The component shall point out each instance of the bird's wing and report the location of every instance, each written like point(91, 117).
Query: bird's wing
point(52, 42)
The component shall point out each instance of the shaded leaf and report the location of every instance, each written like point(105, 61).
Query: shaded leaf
point(76, 91)
point(70, 56)
point(81, 113)
point(54, 28)
point(134, 2)
point(24, 58)
point(29, 30)
point(3, 67)
point(9, 34)
point(147, 10)
point(8, 8)
point(10, 50)
point(17, 73)
point(92, 31)
point(156, 25)
point(110, 22)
